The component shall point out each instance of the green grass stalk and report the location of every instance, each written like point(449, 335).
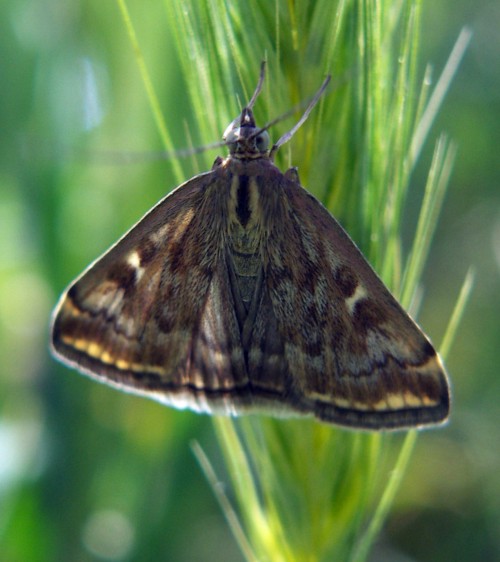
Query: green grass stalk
point(305, 491)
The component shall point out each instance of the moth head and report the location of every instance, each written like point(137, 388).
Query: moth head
point(244, 138)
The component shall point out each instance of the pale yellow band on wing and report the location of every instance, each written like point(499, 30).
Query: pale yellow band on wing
point(93, 349)
point(391, 401)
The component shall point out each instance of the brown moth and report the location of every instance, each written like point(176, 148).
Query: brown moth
point(240, 293)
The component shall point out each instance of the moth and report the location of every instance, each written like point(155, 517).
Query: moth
point(240, 293)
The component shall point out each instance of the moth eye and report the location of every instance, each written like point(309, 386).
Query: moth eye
point(262, 141)
point(230, 136)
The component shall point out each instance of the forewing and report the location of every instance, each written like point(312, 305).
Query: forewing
point(354, 356)
point(148, 315)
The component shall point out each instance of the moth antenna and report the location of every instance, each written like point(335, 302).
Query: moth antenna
point(287, 136)
point(259, 85)
point(124, 157)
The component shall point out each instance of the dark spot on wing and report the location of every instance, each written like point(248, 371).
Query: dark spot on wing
point(123, 274)
point(367, 315)
point(346, 281)
point(147, 252)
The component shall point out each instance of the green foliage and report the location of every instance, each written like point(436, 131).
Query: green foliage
point(87, 473)
point(305, 491)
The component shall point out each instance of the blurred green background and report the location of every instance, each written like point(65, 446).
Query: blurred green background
point(87, 473)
